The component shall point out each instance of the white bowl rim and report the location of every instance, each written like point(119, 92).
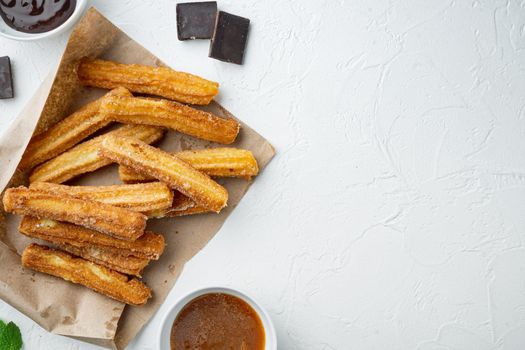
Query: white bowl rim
point(169, 317)
point(79, 9)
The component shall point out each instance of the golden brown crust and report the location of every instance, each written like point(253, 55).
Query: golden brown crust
point(183, 206)
point(114, 221)
point(222, 162)
point(218, 162)
point(148, 246)
point(160, 81)
point(67, 133)
point(130, 265)
point(84, 157)
point(167, 168)
point(130, 176)
point(144, 198)
point(169, 114)
point(94, 276)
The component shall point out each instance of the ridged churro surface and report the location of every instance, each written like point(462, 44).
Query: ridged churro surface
point(176, 116)
point(167, 168)
point(130, 265)
point(84, 157)
point(183, 206)
point(94, 276)
point(118, 222)
point(67, 133)
point(222, 162)
point(219, 162)
point(148, 246)
point(160, 81)
point(144, 198)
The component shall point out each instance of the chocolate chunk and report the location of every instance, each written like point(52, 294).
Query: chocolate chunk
point(196, 20)
point(229, 38)
point(6, 79)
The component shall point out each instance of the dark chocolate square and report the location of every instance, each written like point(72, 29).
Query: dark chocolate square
point(196, 20)
point(229, 38)
point(6, 79)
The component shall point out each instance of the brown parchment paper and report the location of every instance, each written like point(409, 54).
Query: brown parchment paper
point(71, 310)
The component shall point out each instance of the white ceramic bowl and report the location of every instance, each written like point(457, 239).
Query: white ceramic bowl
point(171, 315)
point(10, 33)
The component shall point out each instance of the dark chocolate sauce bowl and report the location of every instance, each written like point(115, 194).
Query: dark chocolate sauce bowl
point(36, 16)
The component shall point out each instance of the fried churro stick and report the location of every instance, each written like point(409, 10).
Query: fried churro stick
point(129, 265)
point(67, 133)
point(77, 270)
point(167, 168)
point(84, 157)
point(219, 162)
point(114, 221)
point(160, 81)
point(144, 198)
point(130, 176)
point(181, 206)
point(148, 246)
point(173, 115)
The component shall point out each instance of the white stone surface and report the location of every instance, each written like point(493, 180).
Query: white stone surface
point(393, 214)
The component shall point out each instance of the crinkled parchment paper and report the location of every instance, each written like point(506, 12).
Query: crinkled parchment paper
point(68, 309)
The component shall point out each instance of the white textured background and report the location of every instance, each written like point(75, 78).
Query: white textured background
point(393, 214)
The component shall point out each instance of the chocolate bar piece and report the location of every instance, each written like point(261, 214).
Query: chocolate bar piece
point(229, 38)
point(6, 79)
point(196, 20)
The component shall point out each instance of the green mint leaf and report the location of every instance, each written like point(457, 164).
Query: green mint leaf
point(10, 337)
point(2, 326)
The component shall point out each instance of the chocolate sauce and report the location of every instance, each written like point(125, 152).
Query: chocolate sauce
point(36, 16)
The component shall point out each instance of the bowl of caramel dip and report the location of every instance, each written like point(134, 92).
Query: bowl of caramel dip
point(217, 318)
point(38, 19)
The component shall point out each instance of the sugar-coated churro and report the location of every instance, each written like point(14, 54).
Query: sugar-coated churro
point(114, 221)
point(148, 246)
point(183, 205)
point(145, 198)
point(222, 162)
point(94, 276)
point(219, 162)
point(130, 176)
point(130, 265)
point(160, 81)
point(169, 114)
point(84, 157)
point(67, 133)
point(176, 173)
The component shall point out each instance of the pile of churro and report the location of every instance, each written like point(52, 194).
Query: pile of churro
point(97, 234)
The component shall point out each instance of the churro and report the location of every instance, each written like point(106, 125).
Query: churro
point(67, 133)
point(218, 162)
point(94, 276)
point(84, 157)
point(114, 221)
point(130, 265)
point(145, 198)
point(183, 205)
point(160, 81)
point(169, 114)
point(167, 168)
point(148, 246)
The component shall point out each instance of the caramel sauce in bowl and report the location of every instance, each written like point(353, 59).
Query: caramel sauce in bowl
point(27, 20)
point(217, 318)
